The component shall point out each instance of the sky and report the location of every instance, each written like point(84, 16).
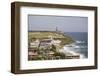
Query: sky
point(63, 23)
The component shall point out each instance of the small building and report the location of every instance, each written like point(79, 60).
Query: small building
point(46, 43)
point(56, 42)
point(32, 53)
point(34, 43)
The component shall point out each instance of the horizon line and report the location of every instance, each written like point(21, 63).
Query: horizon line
point(51, 31)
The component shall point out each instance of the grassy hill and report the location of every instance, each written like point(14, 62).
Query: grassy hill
point(33, 35)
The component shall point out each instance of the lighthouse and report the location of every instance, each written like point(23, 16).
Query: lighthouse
point(56, 29)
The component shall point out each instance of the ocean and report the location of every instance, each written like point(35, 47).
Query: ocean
point(81, 43)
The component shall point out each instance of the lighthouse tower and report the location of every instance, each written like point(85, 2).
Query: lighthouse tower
point(56, 29)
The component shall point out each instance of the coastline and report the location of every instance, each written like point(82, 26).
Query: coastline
point(70, 52)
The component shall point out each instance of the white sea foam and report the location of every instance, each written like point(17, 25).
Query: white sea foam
point(70, 49)
point(80, 41)
point(80, 46)
point(75, 46)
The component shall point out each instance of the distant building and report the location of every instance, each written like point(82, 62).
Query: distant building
point(56, 42)
point(45, 43)
point(32, 53)
point(34, 43)
point(56, 29)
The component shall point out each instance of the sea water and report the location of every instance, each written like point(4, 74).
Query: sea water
point(80, 45)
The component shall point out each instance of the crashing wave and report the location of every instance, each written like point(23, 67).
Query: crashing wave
point(67, 49)
point(76, 46)
point(80, 46)
point(80, 41)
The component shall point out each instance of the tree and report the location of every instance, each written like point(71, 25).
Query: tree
point(53, 48)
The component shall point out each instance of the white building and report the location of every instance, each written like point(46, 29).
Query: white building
point(56, 42)
point(34, 43)
point(45, 43)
